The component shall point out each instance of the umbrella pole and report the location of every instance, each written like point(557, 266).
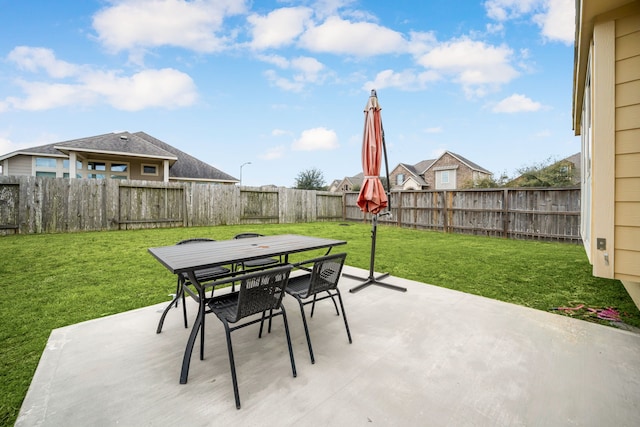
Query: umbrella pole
point(372, 279)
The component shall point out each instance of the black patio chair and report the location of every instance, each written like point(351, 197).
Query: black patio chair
point(323, 278)
point(261, 262)
point(204, 276)
point(260, 293)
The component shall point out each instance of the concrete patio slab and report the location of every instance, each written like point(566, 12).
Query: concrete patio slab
point(427, 357)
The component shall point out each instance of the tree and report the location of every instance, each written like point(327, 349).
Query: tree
point(310, 179)
point(487, 182)
point(549, 173)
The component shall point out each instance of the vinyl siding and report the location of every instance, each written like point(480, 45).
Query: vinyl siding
point(627, 149)
point(20, 166)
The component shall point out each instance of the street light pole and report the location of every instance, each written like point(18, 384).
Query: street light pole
point(241, 166)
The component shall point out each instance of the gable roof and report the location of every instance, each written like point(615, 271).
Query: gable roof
point(467, 162)
point(139, 144)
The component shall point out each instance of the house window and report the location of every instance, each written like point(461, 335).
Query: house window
point(46, 163)
point(105, 169)
point(97, 166)
point(47, 167)
point(399, 179)
point(148, 169)
point(444, 177)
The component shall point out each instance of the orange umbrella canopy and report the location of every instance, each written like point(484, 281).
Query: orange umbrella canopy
point(372, 197)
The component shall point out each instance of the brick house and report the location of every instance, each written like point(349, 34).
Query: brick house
point(448, 172)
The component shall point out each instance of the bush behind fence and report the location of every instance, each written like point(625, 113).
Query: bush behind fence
point(31, 205)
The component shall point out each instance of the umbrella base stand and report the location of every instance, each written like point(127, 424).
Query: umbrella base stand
point(372, 280)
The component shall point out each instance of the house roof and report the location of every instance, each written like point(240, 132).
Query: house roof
point(416, 171)
point(120, 144)
point(187, 166)
point(464, 160)
point(139, 144)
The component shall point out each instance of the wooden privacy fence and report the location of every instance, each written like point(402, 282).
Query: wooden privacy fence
point(549, 214)
point(54, 205)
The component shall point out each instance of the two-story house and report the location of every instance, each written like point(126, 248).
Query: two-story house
point(448, 172)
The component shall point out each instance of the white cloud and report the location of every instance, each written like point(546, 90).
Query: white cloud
point(474, 64)
point(34, 59)
point(558, 21)
point(280, 132)
point(316, 139)
point(165, 88)
point(501, 10)
point(138, 24)
point(516, 103)
point(556, 18)
point(305, 70)
point(274, 153)
point(277, 60)
point(278, 28)
point(363, 39)
point(408, 80)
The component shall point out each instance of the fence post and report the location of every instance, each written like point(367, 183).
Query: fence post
point(505, 213)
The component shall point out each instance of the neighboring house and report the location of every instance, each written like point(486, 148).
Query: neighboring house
point(348, 183)
point(408, 177)
point(606, 114)
point(118, 155)
point(450, 171)
point(335, 184)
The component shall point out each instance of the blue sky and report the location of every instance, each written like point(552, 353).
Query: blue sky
point(283, 84)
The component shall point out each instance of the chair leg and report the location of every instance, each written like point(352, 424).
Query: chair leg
point(232, 365)
point(261, 324)
point(306, 330)
point(344, 316)
point(202, 337)
point(286, 329)
point(313, 306)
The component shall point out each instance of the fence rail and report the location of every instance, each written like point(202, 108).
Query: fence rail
point(550, 214)
point(31, 205)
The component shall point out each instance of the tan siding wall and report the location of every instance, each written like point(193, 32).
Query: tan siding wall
point(135, 171)
point(20, 165)
point(627, 194)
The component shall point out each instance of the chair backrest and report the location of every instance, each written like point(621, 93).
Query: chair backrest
point(262, 291)
point(194, 240)
point(245, 235)
point(326, 273)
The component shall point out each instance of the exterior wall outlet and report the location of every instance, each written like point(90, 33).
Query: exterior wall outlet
point(601, 244)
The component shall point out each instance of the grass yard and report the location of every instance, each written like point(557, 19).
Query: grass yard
point(50, 281)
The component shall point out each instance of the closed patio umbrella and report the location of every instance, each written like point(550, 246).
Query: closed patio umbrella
point(372, 197)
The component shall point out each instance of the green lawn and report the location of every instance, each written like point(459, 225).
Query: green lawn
point(49, 281)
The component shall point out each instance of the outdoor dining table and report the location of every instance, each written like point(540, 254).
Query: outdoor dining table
point(187, 259)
